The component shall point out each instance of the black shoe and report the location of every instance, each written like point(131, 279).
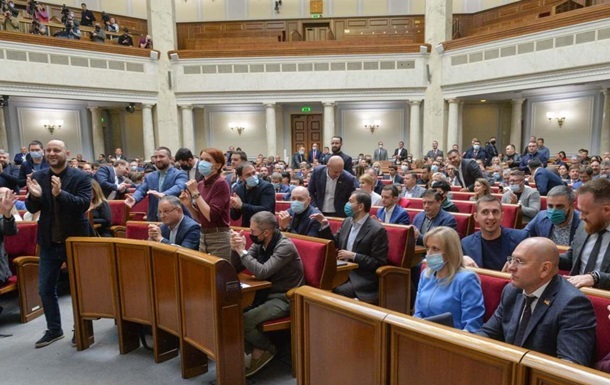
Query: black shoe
point(73, 342)
point(48, 338)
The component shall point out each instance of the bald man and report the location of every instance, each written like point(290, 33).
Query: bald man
point(541, 310)
point(297, 218)
point(62, 194)
point(330, 187)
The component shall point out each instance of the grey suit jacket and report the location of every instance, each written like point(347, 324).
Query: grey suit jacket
point(572, 259)
point(431, 154)
point(417, 192)
point(530, 202)
point(371, 248)
point(562, 324)
point(380, 154)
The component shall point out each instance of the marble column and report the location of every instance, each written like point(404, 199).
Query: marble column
point(148, 131)
point(162, 27)
point(271, 129)
point(415, 144)
point(97, 131)
point(453, 125)
point(188, 134)
point(460, 140)
point(329, 123)
point(438, 26)
point(3, 137)
point(515, 123)
point(604, 144)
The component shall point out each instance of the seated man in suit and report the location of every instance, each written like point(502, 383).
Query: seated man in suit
point(393, 174)
point(391, 212)
point(278, 186)
point(112, 179)
point(518, 192)
point(361, 240)
point(476, 152)
point(588, 258)
point(545, 179)
point(432, 216)
point(251, 196)
point(411, 189)
point(297, 218)
point(177, 228)
point(559, 221)
point(489, 247)
point(542, 311)
point(272, 257)
point(9, 172)
point(331, 186)
point(443, 188)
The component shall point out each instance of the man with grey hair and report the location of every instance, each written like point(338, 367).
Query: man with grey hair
point(272, 257)
point(559, 221)
point(276, 181)
point(9, 173)
point(177, 228)
point(604, 169)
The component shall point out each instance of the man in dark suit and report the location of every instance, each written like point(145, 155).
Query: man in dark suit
point(491, 148)
point(476, 152)
point(297, 219)
point(542, 311)
point(545, 179)
point(325, 155)
point(361, 240)
point(489, 247)
point(531, 153)
point(35, 161)
point(466, 170)
point(62, 194)
point(167, 180)
point(588, 258)
point(177, 228)
point(335, 145)
point(391, 212)
point(298, 157)
point(188, 163)
point(380, 153)
point(20, 157)
point(237, 158)
point(435, 152)
point(432, 216)
point(9, 173)
point(315, 154)
point(251, 196)
point(393, 174)
point(400, 153)
point(330, 187)
point(112, 179)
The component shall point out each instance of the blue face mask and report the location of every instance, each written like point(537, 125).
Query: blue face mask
point(134, 168)
point(204, 167)
point(252, 181)
point(35, 155)
point(349, 211)
point(435, 262)
point(297, 206)
point(476, 147)
point(276, 185)
point(556, 216)
point(496, 176)
point(434, 168)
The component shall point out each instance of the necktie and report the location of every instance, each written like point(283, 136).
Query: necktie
point(525, 319)
point(593, 257)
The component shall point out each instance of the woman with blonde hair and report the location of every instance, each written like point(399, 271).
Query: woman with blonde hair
point(367, 184)
point(100, 210)
point(446, 286)
point(481, 188)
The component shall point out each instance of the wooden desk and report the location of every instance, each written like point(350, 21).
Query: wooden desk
point(343, 273)
point(253, 285)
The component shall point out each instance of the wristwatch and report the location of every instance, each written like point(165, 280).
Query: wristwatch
point(196, 195)
point(244, 253)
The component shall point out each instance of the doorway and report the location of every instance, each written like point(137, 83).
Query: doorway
point(306, 130)
point(317, 32)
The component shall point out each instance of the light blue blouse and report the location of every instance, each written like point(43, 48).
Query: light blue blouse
point(463, 298)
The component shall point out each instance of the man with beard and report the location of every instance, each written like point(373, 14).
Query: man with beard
point(9, 173)
point(589, 254)
point(335, 145)
point(62, 194)
point(167, 180)
point(188, 163)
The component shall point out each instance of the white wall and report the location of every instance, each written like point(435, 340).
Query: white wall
point(219, 135)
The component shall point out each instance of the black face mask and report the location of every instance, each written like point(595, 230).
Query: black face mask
point(186, 167)
point(255, 239)
point(493, 142)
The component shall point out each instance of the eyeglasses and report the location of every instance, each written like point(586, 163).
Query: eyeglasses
point(518, 261)
point(162, 213)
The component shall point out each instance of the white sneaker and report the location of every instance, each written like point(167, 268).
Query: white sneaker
point(247, 360)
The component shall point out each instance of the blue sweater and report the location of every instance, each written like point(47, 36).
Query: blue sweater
point(463, 298)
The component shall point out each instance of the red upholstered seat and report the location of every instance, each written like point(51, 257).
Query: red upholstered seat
point(461, 195)
point(281, 206)
point(335, 224)
point(397, 244)
point(492, 292)
point(137, 230)
point(279, 197)
point(23, 243)
point(512, 217)
point(119, 212)
point(466, 207)
point(139, 210)
point(414, 203)
point(314, 257)
point(600, 306)
point(543, 203)
point(465, 224)
point(406, 202)
point(236, 222)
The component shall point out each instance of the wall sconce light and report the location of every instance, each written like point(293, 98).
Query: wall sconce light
point(559, 117)
point(371, 125)
point(131, 108)
point(239, 127)
point(52, 127)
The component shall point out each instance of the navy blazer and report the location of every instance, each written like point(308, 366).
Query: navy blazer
point(311, 158)
point(481, 154)
point(173, 184)
point(471, 246)
point(399, 216)
point(371, 248)
point(442, 219)
point(105, 176)
point(73, 202)
point(545, 180)
point(347, 161)
point(10, 177)
point(346, 185)
point(20, 158)
point(302, 224)
point(527, 157)
point(26, 168)
point(572, 259)
point(541, 226)
point(187, 236)
point(259, 198)
point(562, 324)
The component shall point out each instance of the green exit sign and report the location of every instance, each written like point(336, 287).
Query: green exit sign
point(305, 109)
point(316, 16)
